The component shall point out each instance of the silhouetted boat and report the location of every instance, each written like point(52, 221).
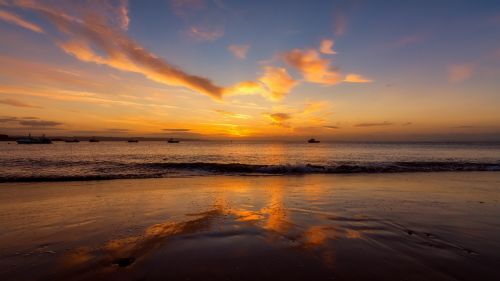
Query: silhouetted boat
point(93, 139)
point(73, 140)
point(313, 141)
point(32, 140)
point(172, 141)
point(133, 141)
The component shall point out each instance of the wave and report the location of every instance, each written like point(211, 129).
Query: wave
point(394, 167)
point(113, 171)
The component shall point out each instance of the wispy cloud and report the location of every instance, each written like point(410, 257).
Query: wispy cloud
point(340, 24)
point(205, 33)
point(17, 20)
point(118, 130)
point(314, 106)
point(17, 103)
point(356, 78)
point(39, 123)
point(326, 47)
point(332, 127)
point(94, 38)
point(465, 127)
point(385, 123)
point(176, 130)
point(460, 72)
point(232, 114)
point(185, 8)
point(239, 51)
point(29, 121)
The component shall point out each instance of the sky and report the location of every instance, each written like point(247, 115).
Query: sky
point(227, 69)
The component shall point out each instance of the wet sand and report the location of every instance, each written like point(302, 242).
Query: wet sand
point(419, 226)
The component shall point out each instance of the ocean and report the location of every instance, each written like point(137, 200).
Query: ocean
point(62, 161)
point(249, 211)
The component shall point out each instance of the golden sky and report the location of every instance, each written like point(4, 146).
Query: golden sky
point(218, 69)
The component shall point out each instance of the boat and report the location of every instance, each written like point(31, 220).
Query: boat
point(171, 140)
point(73, 140)
point(133, 140)
point(313, 141)
point(31, 140)
point(93, 139)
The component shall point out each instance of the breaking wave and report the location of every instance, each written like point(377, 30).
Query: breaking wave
point(111, 171)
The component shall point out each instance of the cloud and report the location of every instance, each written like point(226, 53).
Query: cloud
point(118, 130)
point(239, 51)
point(331, 127)
point(356, 78)
point(17, 103)
point(313, 67)
point(407, 124)
point(385, 123)
point(5, 119)
point(314, 106)
point(232, 114)
point(274, 84)
point(39, 123)
point(94, 38)
point(123, 14)
point(279, 119)
point(176, 130)
point(29, 121)
point(277, 82)
point(326, 47)
point(17, 20)
point(465, 127)
point(340, 24)
point(205, 33)
point(460, 72)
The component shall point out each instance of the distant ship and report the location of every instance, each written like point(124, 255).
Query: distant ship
point(32, 140)
point(73, 140)
point(313, 141)
point(93, 139)
point(133, 140)
point(172, 141)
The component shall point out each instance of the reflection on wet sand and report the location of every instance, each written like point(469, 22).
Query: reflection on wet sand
point(261, 228)
point(271, 223)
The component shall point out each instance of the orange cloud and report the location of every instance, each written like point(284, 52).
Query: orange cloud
point(16, 103)
point(232, 114)
point(17, 20)
point(326, 47)
point(277, 81)
point(93, 38)
point(313, 67)
point(239, 51)
point(314, 106)
point(377, 124)
point(460, 72)
point(356, 78)
point(274, 84)
point(279, 119)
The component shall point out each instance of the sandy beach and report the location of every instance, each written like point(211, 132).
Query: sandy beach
point(408, 226)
